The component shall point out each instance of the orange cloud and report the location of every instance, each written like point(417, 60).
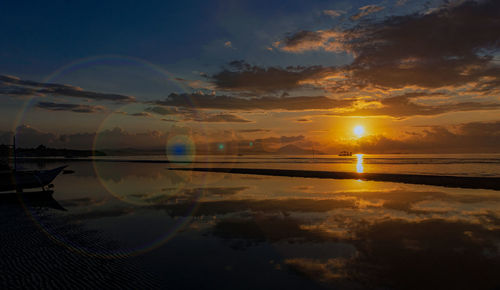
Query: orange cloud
point(328, 40)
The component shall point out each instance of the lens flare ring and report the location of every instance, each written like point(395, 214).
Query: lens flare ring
point(58, 237)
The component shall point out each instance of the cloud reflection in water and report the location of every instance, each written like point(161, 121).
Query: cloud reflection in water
point(376, 235)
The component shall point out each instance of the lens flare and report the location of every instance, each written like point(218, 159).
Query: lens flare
point(181, 149)
point(131, 185)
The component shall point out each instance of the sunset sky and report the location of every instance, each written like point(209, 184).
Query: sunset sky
point(253, 76)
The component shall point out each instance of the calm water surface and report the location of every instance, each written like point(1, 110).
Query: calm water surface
point(434, 164)
point(138, 225)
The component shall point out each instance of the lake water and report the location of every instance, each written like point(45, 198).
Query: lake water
point(140, 225)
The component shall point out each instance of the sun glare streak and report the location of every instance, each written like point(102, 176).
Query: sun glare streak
point(359, 163)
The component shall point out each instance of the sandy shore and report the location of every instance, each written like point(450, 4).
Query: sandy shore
point(437, 180)
point(35, 255)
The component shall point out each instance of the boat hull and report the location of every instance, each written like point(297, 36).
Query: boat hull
point(19, 180)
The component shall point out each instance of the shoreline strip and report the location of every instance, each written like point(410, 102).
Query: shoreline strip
point(435, 180)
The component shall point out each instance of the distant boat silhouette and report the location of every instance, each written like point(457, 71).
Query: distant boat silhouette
point(18, 180)
point(345, 153)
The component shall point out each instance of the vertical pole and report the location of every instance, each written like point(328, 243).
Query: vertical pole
point(15, 155)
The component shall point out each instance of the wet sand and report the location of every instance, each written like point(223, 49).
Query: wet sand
point(141, 226)
point(436, 180)
point(32, 257)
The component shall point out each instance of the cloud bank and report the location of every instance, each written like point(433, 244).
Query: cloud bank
point(13, 86)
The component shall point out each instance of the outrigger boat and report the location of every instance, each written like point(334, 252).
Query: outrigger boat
point(19, 180)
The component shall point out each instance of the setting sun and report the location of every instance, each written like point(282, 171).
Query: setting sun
point(319, 144)
point(359, 131)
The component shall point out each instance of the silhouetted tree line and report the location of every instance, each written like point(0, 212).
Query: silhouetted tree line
point(42, 151)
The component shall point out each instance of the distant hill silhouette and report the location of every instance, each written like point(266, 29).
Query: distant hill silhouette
point(295, 150)
point(42, 151)
point(254, 149)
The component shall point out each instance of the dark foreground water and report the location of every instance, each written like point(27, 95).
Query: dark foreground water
point(140, 226)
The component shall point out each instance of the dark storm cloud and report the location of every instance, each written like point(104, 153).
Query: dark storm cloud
point(188, 114)
point(450, 46)
point(453, 45)
point(160, 110)
point(218, 118)
point(13, 86)
point(225, 102)
point(9, 90)
point(69, 107)
point(397, 106)
point(242, 76)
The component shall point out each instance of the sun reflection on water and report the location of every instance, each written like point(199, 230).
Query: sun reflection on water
point(359, 163)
